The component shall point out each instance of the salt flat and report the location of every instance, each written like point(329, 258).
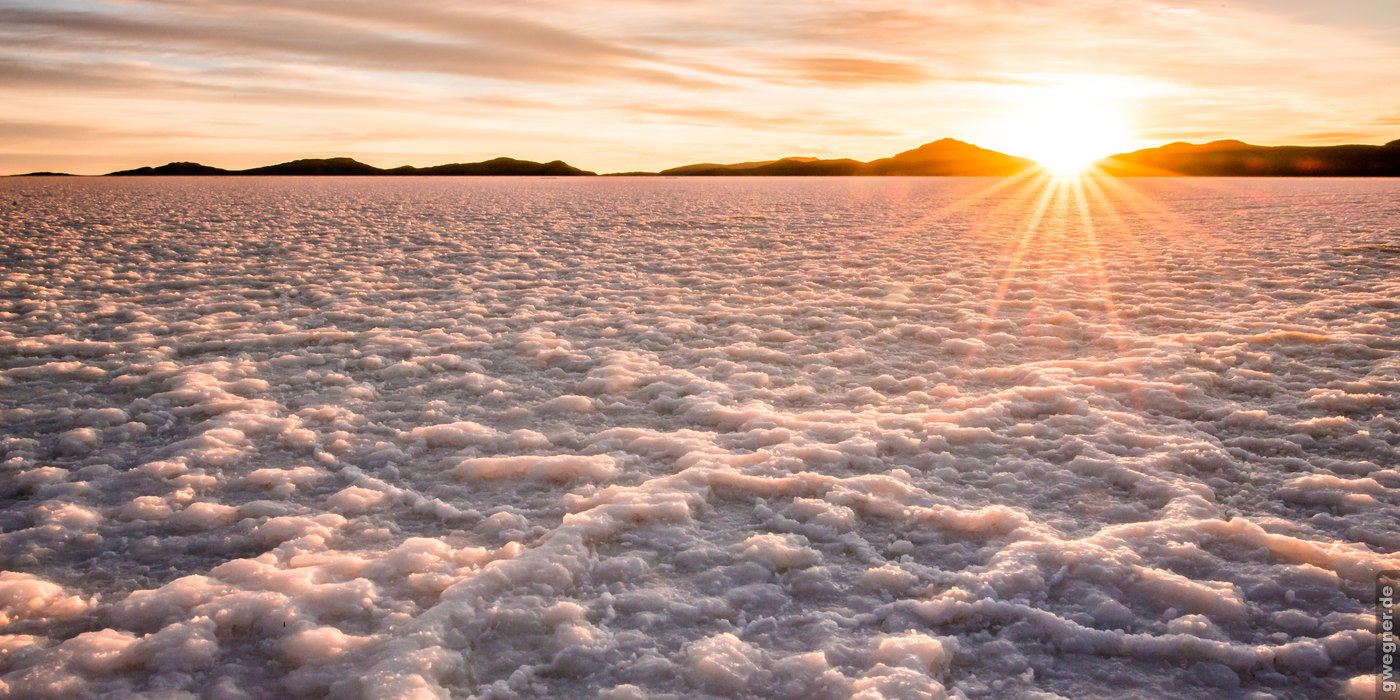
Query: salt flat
point(632, 438)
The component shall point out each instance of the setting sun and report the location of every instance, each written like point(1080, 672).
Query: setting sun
point(1067, 126)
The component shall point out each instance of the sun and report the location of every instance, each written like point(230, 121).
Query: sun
point(1065, 126)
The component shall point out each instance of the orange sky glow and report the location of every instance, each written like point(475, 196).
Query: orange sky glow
point(91, 86)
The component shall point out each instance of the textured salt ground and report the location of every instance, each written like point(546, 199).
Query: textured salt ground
point(651, 438)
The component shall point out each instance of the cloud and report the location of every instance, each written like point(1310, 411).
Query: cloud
point(744, 119)
point(839, 70)
point(476, 46)
point(69, 132)
point(275, 85)
point(1331, 137)
point(45, 130)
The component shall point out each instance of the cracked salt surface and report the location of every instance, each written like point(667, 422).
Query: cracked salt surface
point(664, 438)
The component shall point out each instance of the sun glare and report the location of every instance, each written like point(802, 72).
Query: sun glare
point(1066, 127)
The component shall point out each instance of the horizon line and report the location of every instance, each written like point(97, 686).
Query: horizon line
point(387, 170)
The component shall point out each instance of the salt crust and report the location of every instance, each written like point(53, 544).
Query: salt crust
point(638, 438)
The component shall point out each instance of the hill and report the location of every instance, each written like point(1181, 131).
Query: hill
point(315, 166)
point(942, 157)
point(784, 166)
point(351, 167)
point(181, 168)
point(727, 168)
point(1236, 158)
point(495, 166)
point(948, 157)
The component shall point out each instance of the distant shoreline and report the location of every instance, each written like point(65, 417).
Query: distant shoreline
point(942, 158)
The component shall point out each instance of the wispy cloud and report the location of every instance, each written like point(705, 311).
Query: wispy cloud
point(482, 46)
point(844, 70)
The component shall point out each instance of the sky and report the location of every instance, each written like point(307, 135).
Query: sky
point(90, 86)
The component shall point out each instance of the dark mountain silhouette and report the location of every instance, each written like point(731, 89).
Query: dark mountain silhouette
point(714, 168)
point(792, 165)
point(181, 168)
point(1236, 158)
point(350, 166)
point(495, 166)
point(315, 166)
point(785, 166)
point(942, 157)
point(43, 173)
point(948, 157)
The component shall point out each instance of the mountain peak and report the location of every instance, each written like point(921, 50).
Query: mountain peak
point(948, 157)
point(1227, 143)
point(179, 167)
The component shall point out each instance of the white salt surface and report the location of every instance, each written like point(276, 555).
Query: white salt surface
point(632, 438)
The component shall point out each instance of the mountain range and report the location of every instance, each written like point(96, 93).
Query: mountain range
point(942, 157)
point(1236, 158)
point(350, 166)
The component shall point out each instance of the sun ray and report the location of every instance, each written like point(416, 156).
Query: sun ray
point(1014, 182)
point(1167, 222)
point(1028, 233)
point(1101, 277)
